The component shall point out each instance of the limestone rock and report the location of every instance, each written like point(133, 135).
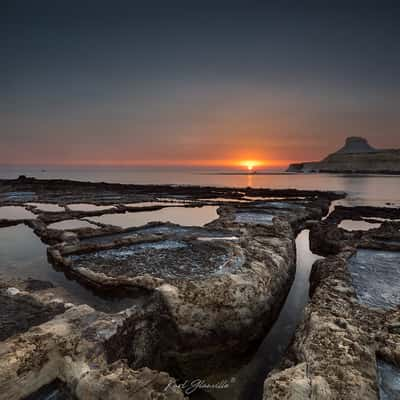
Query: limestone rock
point(357, 156)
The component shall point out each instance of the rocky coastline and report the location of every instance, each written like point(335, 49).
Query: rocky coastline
point(209, 293)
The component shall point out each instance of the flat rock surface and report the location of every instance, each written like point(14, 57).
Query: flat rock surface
point(165, 259)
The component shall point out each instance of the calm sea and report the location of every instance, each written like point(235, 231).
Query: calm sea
point(362, 189)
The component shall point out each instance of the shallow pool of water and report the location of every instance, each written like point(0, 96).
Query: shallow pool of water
point(19, 196)
point(47, 207)
point(69, 224)
point(196, 216)
point(353, 225)
point(376, 277)
point(87, 207)
point(23, 255)
point(15, 212)
point(382, 219)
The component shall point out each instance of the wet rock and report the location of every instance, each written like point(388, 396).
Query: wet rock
point(219, 296)
point(64, 191)
point(214, 292)
point(120, 382)
point(209, 301)
point(394, 328)
point(295, 383)
point(19, 311)
point(389, 381)
point(336, 343)
point(163, 259)
point(328, 238)
point(72, 348)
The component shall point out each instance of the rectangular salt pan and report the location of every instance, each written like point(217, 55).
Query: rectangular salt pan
point(87, 207)
point(197, 216)
point(71, 224)
point(352, 225)
point(47, 207)
point(15, 212)
point(376, 277)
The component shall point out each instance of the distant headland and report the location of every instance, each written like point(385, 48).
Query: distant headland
point(356, 156)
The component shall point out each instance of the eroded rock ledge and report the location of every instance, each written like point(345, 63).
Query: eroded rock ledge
point(73, 347)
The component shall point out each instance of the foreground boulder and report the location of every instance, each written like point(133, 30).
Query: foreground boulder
point(73, 347)
point(218, 296)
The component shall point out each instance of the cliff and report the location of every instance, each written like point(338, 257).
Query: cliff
point(356, 156)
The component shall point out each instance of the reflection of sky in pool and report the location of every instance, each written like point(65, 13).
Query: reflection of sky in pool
point(197, 216)
point(350, 225)
point(49, 207)
point(18, 196)
point(87, 207)
point(382, 219)
point(23, 255)
point(71, 224)
point(15, 212)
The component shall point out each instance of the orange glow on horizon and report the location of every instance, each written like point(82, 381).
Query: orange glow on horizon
point(250, 164)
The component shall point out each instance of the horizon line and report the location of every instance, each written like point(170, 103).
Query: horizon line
point(152, 164)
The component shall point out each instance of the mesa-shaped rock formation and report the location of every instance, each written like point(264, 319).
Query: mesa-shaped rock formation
point(357, 156)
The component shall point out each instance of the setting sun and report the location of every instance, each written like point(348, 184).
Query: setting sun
point(250, 164)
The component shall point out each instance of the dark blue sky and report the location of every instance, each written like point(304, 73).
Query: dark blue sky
point(195, 81)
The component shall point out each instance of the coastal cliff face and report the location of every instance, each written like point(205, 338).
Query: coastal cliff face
point(357, 156)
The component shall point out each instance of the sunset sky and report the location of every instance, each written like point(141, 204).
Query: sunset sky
point(195, 82)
